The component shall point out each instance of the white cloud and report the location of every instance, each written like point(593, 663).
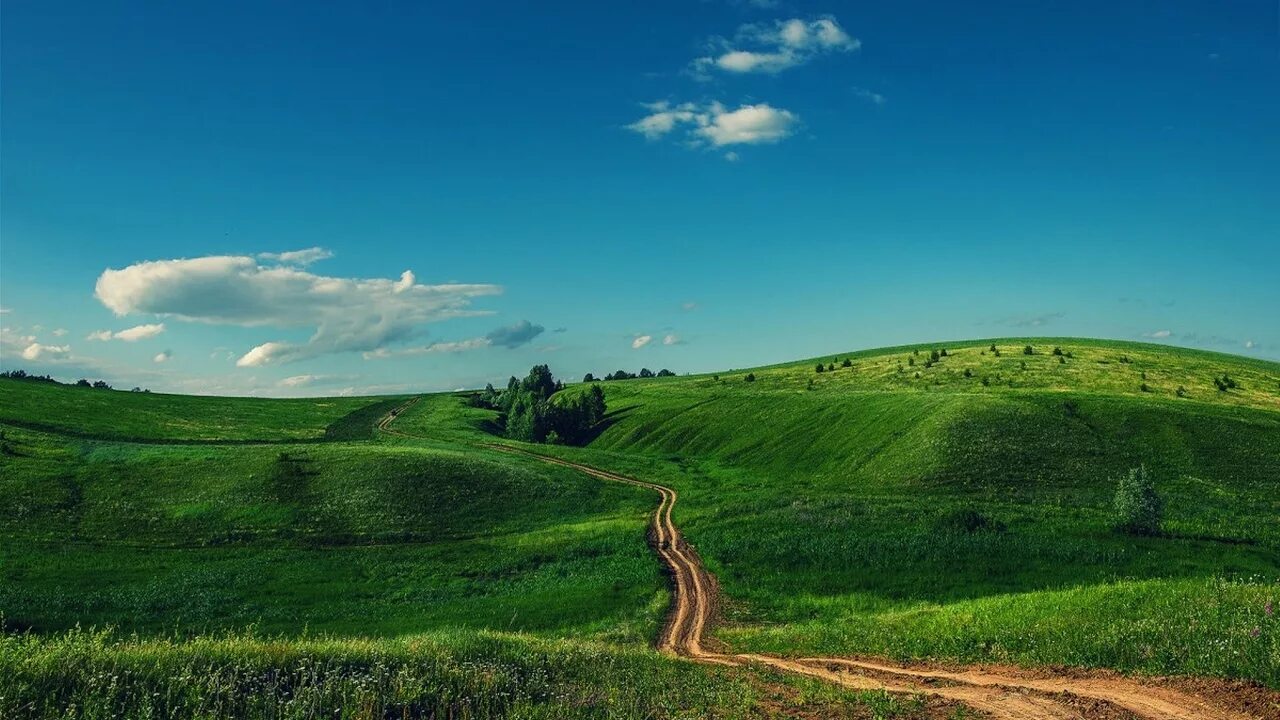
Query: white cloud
point(1248, 345)
point(5, 310)
point(671, 339)
point(455, 346)
point(513, 336)
point(1159, 334)
point(163, 356)
point(717, 126)
point(640, 341)
point(36, 351)
point(689, 306)
point(300, 380)
point(60, 332)
point(133, 334)
point(731, 156)
point(874, 98)
point(348, 314)
point(774, 47)
point(298, 257)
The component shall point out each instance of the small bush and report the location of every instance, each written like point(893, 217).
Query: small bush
point(1144, 387)
point(1182, 391)
point(847, 363)
point(1138, 508)
point(820, 367)
point(751, 377)
point(1028, 350)
point(1057, 351)
point(968, 520)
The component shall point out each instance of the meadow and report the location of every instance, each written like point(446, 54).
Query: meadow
point(212, 557)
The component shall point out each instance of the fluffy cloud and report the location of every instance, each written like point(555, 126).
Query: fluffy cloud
point(163, 356)
point(133, 334)
point(715, 125)
point(874, 98)
point(60, 332)
point(1159, 334)
point(640, 341)
point(671, 339)
point(774, 47)
point(513, 336)
point(36, 351)
point(298, 257)
point(510, 337)
point(348, 314)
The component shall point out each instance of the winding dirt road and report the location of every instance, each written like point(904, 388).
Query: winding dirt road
point(1005, 694)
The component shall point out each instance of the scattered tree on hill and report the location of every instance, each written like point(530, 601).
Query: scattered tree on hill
point(1144, 387)
point(847, 363)
point(751, 377)
point(646, 373)
point(665, 373)
point(911, 361)
point(820, 368)
point(1028, 350)
point(588, 378)
point(943, 352)
point(620, 375)
point(1225, 383)
point(933, 355)
point(1057, 351)
point(1062, 360)
point(22, 375)
point(993, 348)
point(831, 367)
point(715, 378)
point(83, 383)
point(968, 372)
point(1138, 508)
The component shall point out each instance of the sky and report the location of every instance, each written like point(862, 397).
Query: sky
point(320, 199)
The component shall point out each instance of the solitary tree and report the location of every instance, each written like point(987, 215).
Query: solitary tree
point(1138, 508)
point(588, 378)
point(1028, 350)
point(751, 377)
point(820, 367)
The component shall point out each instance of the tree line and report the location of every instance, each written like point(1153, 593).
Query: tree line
point(624, 375)
point(24, 376)
point(530, 411)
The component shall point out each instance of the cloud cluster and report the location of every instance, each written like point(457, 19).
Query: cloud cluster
point(133, 334)
point(347, 314)
point(510, 337)
point(715, 125)
point(774, 47)
point(298, 257)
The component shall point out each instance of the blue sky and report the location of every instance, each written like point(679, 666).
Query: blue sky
point(217, 197)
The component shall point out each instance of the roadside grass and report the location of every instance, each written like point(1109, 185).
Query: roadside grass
point(95, 674)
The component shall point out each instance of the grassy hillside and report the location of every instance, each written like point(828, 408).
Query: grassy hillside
point(857, 510)
point(113, 414)
point(867, 510)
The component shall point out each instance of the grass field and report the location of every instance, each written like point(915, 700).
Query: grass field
point(234, 540)
point(828, 511)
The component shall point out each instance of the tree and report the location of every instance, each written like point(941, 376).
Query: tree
point(665, 373)
point(847, 363)
point(933, 355)
point(751, 377)
point(911, 361)
point(831, 367)
point(646, 373)
point(1028, 350)
point(1138, 508)
point(821, 368)
point(83, 383)
point(1057, 351)
point(993, 348)
point(943, 353)
point(968, 372)
point(588, 378)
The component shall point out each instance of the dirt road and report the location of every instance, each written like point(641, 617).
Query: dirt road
point(1006, 693)
point(1002, 693)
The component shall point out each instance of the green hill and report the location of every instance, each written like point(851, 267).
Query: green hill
point(956, 508)
point(865, 509)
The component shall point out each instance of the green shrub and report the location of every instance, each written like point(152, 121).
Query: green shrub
point(968, 520)
point(1138, 508)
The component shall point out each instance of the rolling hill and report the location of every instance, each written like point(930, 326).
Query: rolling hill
point(897, 504)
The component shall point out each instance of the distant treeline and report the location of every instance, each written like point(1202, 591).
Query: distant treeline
point(624, 375)
point(26, 377)
point(528, 413)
